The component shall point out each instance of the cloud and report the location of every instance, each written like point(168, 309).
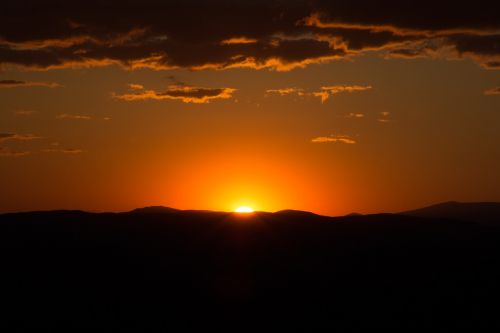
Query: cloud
point(334, 139)
point(218, 34)
point(7, 152)
point(186, 94)
point(23, 112)
point(323, 95)
point(73, 116)
point(134, 86)
point(17, 137)
point(286, 91)
point(19, 83)
point(384, 117)
point(326, 92)
point(72, 151)
point(492, 91)
point(238, 40)
point(63, 151)
point(355, 115)
point(338, 89)
point(491, 64)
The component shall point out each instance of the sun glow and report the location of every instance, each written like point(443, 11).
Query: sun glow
point(244, 210)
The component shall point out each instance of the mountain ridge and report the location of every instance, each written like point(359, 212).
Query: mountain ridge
point(479, 212)
point(285, 270)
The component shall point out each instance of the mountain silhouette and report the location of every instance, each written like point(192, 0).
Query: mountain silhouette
point(160, 269)
point(480, 212)
point(155, 210)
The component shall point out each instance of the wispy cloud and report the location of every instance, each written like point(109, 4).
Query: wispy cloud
point(17, 137)
point(334, 139)
point(355, 115)
point(7, 152)
point(63, 151)
point(135, 86)
point(492, 91)
point(384, 117)
point(286, 91)
point(328, 91)
point(186, 94)
point(72, 151)
point(22, 112)
point(73, 116)
point(323, 93)
point(20, 83)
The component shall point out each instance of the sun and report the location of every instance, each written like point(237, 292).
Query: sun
point(244, 210)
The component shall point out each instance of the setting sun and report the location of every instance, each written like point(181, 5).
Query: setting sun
point(244, 209)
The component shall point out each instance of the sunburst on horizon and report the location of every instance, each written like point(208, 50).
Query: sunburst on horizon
point(244, 210)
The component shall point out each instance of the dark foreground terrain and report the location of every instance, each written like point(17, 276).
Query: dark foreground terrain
point(163, 270)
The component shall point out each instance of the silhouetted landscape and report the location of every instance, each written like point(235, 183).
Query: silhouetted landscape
point(161, 269)
point(113, 114)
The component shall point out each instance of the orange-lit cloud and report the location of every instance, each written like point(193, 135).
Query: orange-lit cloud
point(238, 40)
point(355, 115)
point(20, 83)
point(342, 88)
point(286, 91)
point(323, 95)
point(17, 137)
point(315, 20)
point(186, 94)
point(326, 92)
point(451, 34)
point(134, 86)
point(334, 139)
point(493, 91)
point(73, 116)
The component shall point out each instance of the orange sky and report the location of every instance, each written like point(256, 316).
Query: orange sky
point(293, 123)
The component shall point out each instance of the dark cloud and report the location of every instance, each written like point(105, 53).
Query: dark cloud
point(422, 15)
point(491, 64)
point(19, 83)
point(222, 34)
point(493, 91)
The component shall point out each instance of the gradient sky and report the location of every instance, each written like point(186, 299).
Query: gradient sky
point(327, 106)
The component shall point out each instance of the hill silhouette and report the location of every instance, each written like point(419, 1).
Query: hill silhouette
point(480, 212)
point(160, 269)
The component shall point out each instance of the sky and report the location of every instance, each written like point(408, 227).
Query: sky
point(332, 107)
